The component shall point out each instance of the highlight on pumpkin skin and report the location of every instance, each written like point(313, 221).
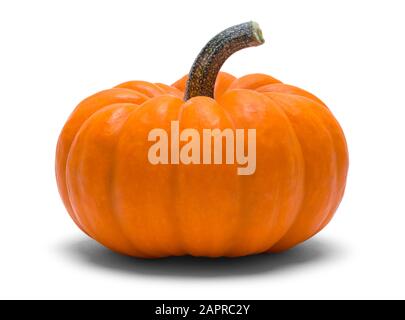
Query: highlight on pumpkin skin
point(119, 198)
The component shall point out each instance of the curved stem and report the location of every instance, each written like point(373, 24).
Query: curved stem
point(203, 73)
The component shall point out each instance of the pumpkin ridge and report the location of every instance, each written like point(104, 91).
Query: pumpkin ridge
point(184, 245)
point(323, 108)
point(294, 91)
point(342, 174)
point(146, 88)
point(330, 197)
point(284, 192)
point(169, 90)
point(100, 119)
point(242, 202)
point(130, 213)
point(63, 150)
point(331, 206)
point(253, 81)
point(174, 192)
point(298, 209)
point(69, 155)
point(133, 244)
point(231, 247)
point(113, 196)
point(76, 216)
point(207, 217)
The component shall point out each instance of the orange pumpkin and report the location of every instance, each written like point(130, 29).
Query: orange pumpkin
point(116, 196)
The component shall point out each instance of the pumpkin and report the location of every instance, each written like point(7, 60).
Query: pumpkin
point(117, 197)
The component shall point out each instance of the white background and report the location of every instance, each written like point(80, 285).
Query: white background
point(55, 53)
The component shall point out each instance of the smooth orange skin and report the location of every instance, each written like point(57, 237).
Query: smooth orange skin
point(118, 198)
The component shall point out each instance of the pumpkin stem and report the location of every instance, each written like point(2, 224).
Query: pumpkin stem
point(204, 72)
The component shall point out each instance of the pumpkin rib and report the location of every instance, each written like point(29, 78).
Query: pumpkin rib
point(147, 88)
point(230, 250)
point(199, 188)
point(275, 206)
point(147, 223)
point(275, 247)
point(116, 211)
point(303, 168)
point(169, 90)
point(69, 155)
point(135, 250)
point(83, 110)
point(302, 183)
point(253, 81)
point(289, 89)
point(342, 165)
point(78, 149)
point(233, 248)
point(175, 193)
point(327, 115)
point(297, 228)
point(331, 207)
point(227, 232)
